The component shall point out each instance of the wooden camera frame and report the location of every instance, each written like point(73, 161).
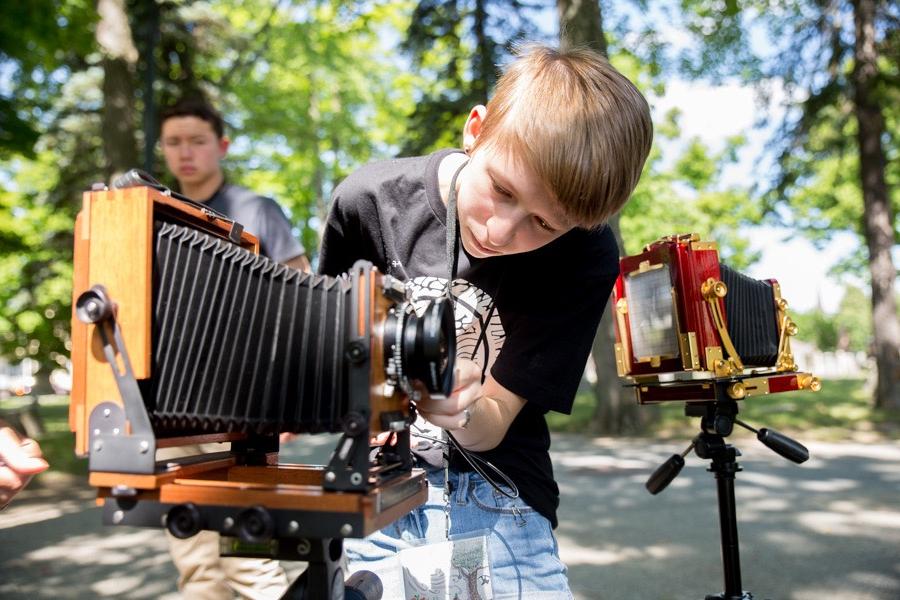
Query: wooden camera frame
point(230, 492)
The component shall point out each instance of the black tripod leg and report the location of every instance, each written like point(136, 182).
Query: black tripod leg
point(724, 465)
point(731, 556)
point(323, 577)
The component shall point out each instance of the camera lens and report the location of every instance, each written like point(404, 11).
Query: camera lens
point(424, 345)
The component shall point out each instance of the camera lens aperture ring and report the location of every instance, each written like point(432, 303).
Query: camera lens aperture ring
point(421, 347)
point(395, 371)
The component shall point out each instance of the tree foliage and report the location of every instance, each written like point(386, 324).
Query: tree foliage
point(850, 328)
point(456, 46)
point(294, 80)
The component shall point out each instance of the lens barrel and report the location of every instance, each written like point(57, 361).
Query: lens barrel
point(423, 345)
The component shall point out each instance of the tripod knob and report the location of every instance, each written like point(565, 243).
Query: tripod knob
point(664, 474)
point(783, 445)
point(363, 585)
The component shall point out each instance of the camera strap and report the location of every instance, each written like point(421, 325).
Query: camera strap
point(452, 265)
point(452, 234)
point(478, 464)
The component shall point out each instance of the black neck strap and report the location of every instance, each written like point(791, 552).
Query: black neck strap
point(452, 232)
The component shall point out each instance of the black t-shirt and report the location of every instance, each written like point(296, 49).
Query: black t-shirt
point(529, 319)
point(260, 216)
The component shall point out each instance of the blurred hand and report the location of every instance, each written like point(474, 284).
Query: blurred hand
point(449, 413)
point(19, 461)
point(286, 436)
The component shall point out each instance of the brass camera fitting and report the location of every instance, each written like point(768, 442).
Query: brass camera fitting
point(791, 328)
point(713, 289)
point(810, 382)
point(737, 391)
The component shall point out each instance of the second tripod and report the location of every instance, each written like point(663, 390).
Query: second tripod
point(717, 420)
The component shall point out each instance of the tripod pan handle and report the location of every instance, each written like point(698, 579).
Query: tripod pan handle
point(783, 445)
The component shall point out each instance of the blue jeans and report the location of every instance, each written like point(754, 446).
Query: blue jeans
point(523, 550)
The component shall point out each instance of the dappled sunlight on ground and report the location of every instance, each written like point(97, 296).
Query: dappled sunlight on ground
point(803, 529)
point(829, 528)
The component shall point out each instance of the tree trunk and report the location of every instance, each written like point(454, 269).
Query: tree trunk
point(148, 15)
point(119, 58)
point(484, 68)
point(615, 410)
point(877, 218)
point(581, 25)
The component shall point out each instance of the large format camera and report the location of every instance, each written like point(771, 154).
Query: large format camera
point(691, 329)
point(184, 335)
point(685, 321)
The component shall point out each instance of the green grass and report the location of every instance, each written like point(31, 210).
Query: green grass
point(841, 409)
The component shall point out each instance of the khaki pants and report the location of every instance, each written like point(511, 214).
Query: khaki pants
point(203, 574)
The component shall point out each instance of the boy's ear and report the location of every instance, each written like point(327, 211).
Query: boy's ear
point(472, 128)
point(224, 142)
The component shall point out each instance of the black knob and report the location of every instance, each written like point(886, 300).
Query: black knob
point(255, 525)
point(363, 585)
point(93, 305)
point(783, 445)
point(664, 474)
point(184, 521)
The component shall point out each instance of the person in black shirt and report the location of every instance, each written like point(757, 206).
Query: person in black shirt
point(556, 152)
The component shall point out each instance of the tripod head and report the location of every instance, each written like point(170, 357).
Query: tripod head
point(717, 421)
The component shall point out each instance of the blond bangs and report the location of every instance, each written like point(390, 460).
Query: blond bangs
point(580, 125)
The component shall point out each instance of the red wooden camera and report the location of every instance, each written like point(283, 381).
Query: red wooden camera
point(685, 323)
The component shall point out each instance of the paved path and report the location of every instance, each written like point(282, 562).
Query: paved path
point(827, 529)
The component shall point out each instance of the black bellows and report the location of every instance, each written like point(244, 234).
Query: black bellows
point(751, 316)
point(241, 343)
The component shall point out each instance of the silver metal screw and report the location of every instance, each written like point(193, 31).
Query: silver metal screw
point(330, 476)
point(118, 516)
point(346, 529)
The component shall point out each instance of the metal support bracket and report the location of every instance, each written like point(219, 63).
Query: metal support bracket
point(121, 437)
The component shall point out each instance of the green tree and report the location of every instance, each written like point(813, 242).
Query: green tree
point(837, 62)
point(52, 91)
point(294, 81)
point(819, 328)
point(455, 46)
point(306, 107)
point(853, 321)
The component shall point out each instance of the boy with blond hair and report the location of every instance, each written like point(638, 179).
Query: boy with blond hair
point(556, 152)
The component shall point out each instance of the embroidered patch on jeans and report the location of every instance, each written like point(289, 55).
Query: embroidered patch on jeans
point(457, 569)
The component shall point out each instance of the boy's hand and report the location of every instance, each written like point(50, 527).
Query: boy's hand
point(453, 412)
point(19, 460)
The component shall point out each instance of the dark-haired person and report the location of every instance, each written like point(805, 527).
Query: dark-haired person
point(194, 143)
